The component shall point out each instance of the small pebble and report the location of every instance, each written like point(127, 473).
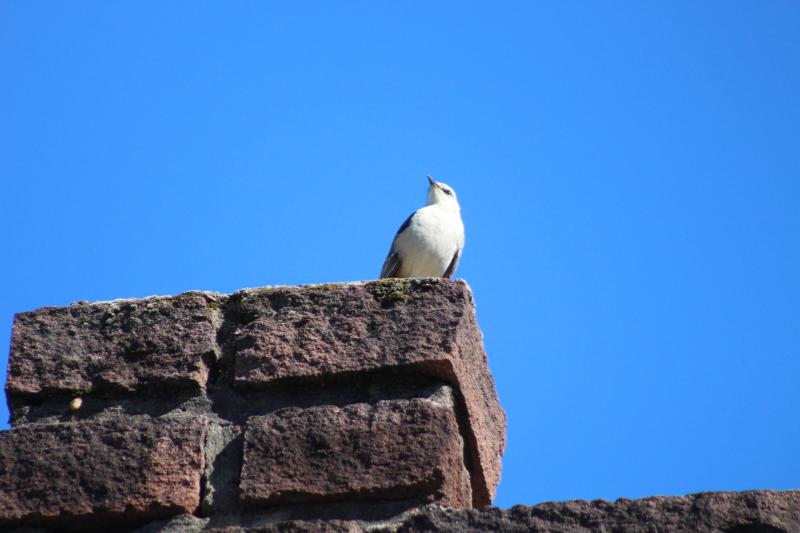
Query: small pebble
point(76, 403)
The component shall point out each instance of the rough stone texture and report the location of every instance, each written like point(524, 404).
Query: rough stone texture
point(711, 512)
point(424, 326)
point(113, 346)
point(121, 471)
point(391, 450)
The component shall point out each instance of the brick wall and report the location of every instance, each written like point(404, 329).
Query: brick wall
point(347, 407)
point(346, 400)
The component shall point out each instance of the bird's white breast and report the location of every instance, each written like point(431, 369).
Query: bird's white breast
point(431, 240)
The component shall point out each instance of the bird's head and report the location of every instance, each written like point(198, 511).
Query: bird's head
point(442, 194)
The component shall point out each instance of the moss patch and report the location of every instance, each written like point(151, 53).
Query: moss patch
point(390, 290)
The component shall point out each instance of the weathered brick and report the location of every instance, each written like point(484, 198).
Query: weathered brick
point(762, 511)
point(391, 450)
point(424, 326)
point(125, 471)
point(118, 346)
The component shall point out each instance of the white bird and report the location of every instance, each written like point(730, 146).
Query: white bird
point(429, 243)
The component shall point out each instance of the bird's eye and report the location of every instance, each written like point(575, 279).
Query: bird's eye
point(448, 192)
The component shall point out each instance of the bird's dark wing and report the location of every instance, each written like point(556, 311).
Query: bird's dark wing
point(451, 268)
point(391, 266)
point(393, 263)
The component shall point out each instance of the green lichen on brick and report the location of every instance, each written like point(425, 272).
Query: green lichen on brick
point(390, 290)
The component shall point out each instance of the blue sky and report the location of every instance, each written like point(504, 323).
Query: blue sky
point(629, 174)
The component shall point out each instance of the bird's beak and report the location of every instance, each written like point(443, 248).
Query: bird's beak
point(433, 183)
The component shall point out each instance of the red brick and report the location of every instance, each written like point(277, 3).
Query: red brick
point(424, 326)
point(392, 450)
point(125, 471)
point(119, 346)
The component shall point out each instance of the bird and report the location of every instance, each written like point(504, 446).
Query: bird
point(429, 243)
